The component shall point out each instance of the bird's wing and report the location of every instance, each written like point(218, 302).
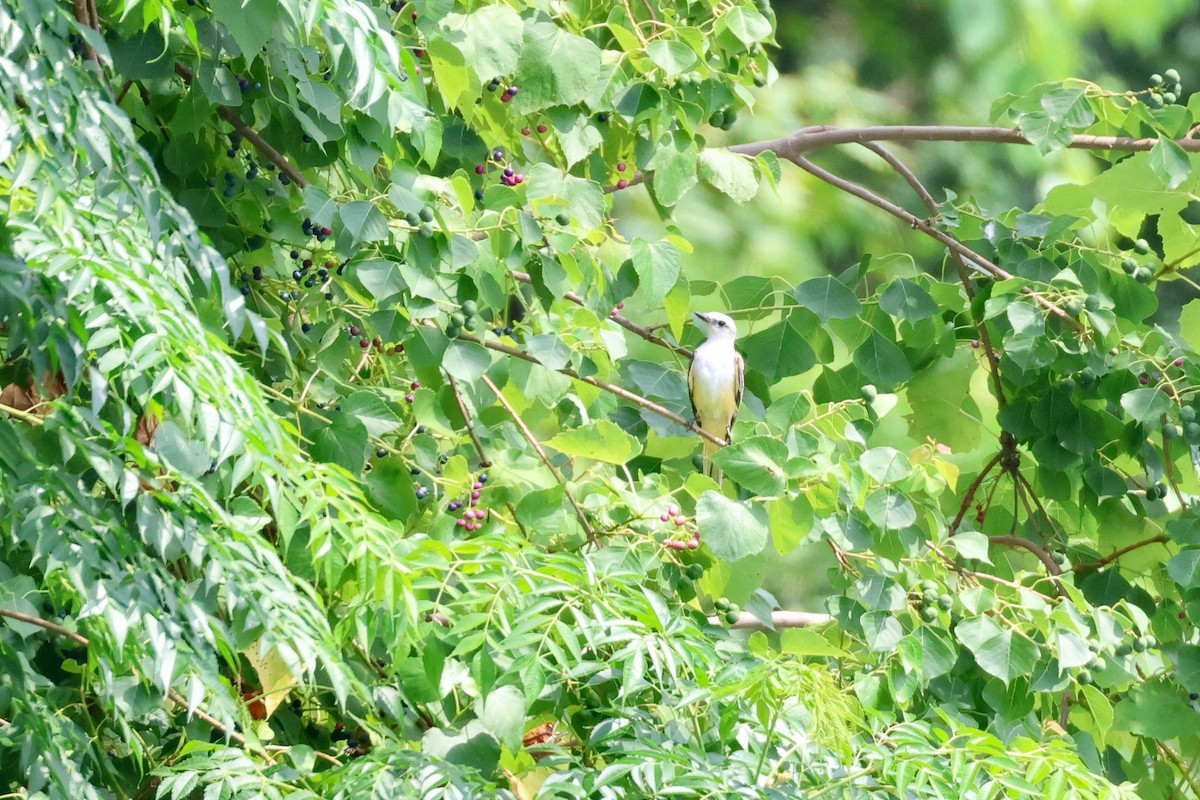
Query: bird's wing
point(692, 391)
point(739, 386)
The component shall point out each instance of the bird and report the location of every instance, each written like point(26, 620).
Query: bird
point(716, 380)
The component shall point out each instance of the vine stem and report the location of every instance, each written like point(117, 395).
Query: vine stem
point(1162, 538)
point(174, 696)
point(537, 446)
point(250, 135)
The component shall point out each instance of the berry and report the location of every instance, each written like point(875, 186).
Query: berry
point(621, 184)
point(483, 476)
point(695, 571)
point(621, 166)
point(541, 128)
point(306, 327)
point(1178, 362)
point(479, 194)
point(672, 510)
point(364, 343)
point(381, 452)
point(680, 519)
point(469, 308)
point(480, 169)
point(377, 342)
point(1172, 75)
point(602, 117)
point(526, 131)
point(354, 330)
point(1142, 246)
point(1156, 79)
point(563, 218)
point(498, 154)
point(1084, 677)
point(408, 398)
point(868, 392)
point(509, 172)
point(732, 617)
point(665, 517)
point(426, 214)
point(514, 89)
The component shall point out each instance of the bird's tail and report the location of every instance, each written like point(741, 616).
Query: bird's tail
point(711, 469)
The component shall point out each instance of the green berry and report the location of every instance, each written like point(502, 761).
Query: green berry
point(929, 614)
point(1074, 307)
point(868, 392)
point(730, 119)
point(1067, 384)
point(1156, 79)
point(1143, 275)
point(1151, 643)
point(1098, 664)
point(458, 318)
point(412, 219)
point(731, 617)
point(426, 214)
point(1172, 75)
point(470, 323)
point(1169, 97)
point(470, 308)
point(927, 585)
point(945, 601)
point(721, 604)
point(1123, 649)
point(695, 571)
point(1154, 100)
point(717, 120)
point(1187, 413)
point(1084, 677)
point(1172, 431)
point(1191, 432)
point(1140, 644)
point(929, 597)
point(453, 331)
point(1129, 266)
point(1142, 246)
point(426, 230)
point(563, 219)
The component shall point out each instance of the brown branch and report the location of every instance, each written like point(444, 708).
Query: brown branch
point(636, 399)
point(964, 274)
point(801, 141)
point(1051, 565)
point(83, 16)
point(1162, 538)
point(173, 695)
point(971, 490)
point(1169, 468)
point(779, 619)
point(953, 244)
point(537, 446)
point(250, 135)
point(462, 406)
point(643, 331)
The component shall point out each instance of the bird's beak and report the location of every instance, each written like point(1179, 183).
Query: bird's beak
point(702, 317)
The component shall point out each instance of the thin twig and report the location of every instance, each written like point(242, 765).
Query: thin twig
point(251, 135)
point(537, 446)
point(173, 695)
point(643, 331)
point(1162, 538)
point(484, 462)
point(1051, 565)
point(84, 17)
point(971, 490)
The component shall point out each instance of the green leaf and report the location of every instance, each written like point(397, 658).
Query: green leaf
point(928, 652)
point(779, 351)
point(997, 651)
point(549, 188)
point(1145, 405)
point(390, 487)
point(729, 173)
point(791, 521)
point(362, 222)
point(882, 362)
point(1156, 709)
point(554, 68)
point(375, 415)
point(466, 361)
point(1184, 567)
point(1170, 162)
point(450, 73)
point(907, 300)
point(382, 279)
point(828, 298)
point(672, 57)
point(503, 713)
point(600, 440)
point(885, 464)
point(744, 24)
point(728, 528)
point(890, 509)
point(657, 268)
point(250, 22)
point(342, 442)
point(756, 464)
point(489, 38)
point(674, 167)
point(321, 207)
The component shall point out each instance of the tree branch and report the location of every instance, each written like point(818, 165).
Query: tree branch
point(537, 446)
point(971, 490)
point(1162, 538)
point(636, 399)
point(953, 244)
point(779, 619)
point(801, 141)
point(640, 330)
point(250, 135)
point(173, 695)
point(484, 462)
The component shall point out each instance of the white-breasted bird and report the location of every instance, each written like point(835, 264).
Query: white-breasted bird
point(715, 381)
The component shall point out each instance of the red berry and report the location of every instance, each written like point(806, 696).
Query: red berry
point(377, 342)
point(620, 306)
point(480, 169)
point(415, 385)
point(665, 517)
point(364, 344)
point(475, 495)
point(694, 544)
point(1143, 379)
point(620, 166)
point(541, 128)
point(409, 397)
point(1179, 362)
point(672, 510)
point(975, 343)
point(477, 485)
point(354, 330)
point(525, 131)
point(506, 98)
point(461, 522)
point(519, 178)
point(679, 520)
point(621, 184)
point(419, 53)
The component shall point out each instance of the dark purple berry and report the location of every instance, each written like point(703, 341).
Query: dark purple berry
point(354, 330)
point(602, 117)
point(381, 452)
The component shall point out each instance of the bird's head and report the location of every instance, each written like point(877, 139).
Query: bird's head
point(715, 324)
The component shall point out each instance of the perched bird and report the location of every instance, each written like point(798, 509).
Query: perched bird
point(715, 382)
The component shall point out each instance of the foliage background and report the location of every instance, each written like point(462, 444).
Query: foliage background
point(230, 568)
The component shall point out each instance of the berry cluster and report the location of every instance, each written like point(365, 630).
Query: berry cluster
point(422, 221)
point(465, 319)
point(1135, 644)
point(732, 611)
point(509, 93)
point(674, 515)
point(1165, 89)
point(930, 602)
point(473, 517)
point(723, 118)
point(1132, 267)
